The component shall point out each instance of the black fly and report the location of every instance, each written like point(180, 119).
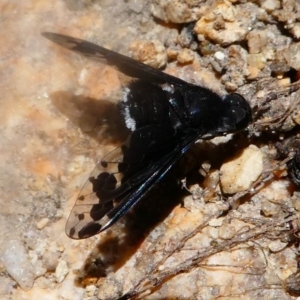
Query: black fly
point(166, 116)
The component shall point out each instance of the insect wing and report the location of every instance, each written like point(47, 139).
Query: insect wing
point(149, 177)
point(98, 193)
point(124, 64)
point(104, 198)
point(88, 198)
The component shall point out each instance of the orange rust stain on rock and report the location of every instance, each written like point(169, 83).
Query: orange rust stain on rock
point(43, 166)
point(179, 213)
point(185, 218)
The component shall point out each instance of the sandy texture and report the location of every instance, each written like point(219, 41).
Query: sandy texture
point(58, 118)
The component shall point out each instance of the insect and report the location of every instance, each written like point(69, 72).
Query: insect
point(166, 116)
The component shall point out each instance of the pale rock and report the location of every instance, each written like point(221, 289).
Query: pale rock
point(224, 24)
point(270, 5)
point(257, 40)
point(256, 60)
point(277, 245)
point(61, 271)
point(178, 11)
point(42, 223)
point(270, 209)
point(291, 55)
point(227, 232)
point(295, 31)
point(152, 53)
point(16, 261)
point(239, 173)
point(185, 56)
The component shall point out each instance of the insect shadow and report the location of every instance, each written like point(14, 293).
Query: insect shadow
point(99, 119)
point(122, 241)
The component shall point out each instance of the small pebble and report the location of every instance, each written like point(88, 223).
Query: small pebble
point(276, 246)
point(61, 271)
point(185, 56)
point(152, 53)
point(239, 173)
point(42, 223)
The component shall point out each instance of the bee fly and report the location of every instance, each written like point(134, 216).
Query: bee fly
point(166, 116)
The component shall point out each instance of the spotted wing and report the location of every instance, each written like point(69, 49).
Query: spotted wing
point(116, 186)
point(124, 64)
point(96, 196)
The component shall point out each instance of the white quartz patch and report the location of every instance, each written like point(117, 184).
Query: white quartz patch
point(16, 261)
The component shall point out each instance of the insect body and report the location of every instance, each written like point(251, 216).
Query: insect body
point(166, 116)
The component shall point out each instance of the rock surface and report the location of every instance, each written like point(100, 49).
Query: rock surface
point(59, 117)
